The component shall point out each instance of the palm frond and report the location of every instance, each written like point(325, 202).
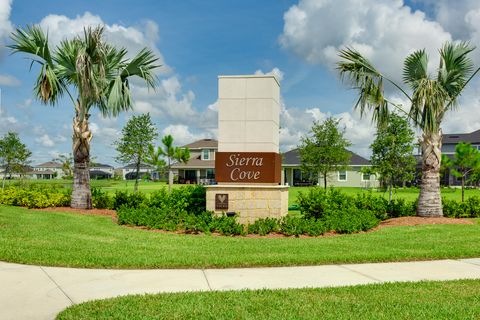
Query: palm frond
point(455, 69)
point(142, 65)
point(365, 78)
point(428, 105)
point(415, 68)
point(32, 40)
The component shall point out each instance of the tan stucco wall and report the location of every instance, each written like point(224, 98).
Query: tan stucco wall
point(251, 202)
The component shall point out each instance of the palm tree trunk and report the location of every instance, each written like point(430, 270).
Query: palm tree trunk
point(430, 200)
point(81, 193)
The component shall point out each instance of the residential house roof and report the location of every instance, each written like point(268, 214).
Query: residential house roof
point(454, 138)
point(100, 165)
point(49, 164)
point(134, 166)
point(202, 144)
point(292, 158)
point(195, 163)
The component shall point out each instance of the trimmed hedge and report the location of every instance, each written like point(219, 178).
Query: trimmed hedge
point(35, 197)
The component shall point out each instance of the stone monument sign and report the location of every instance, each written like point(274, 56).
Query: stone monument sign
point(248, 162)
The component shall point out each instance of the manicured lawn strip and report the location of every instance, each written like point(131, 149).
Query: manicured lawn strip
point(73, 240)
point(423, 300)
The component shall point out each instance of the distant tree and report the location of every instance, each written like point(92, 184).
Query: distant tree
point(173, 154)
point(324, 150)
point(67, 163)
point(392, 152)
point(465, 164)
point(155, 158)
point(137, 135)
point(13, 155)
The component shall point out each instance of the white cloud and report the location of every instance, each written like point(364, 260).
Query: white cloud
point(132, 38)
point(5, 24)
point(275, 71)
point(45, 140)
point(385, 31)
point(295, 123)
point(182, 134)
point(167, 100)
point(8, 80)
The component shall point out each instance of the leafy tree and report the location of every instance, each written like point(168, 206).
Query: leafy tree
point(13, 155)
point(67, 163)
point(392, 152)
point(465, 165)
point(94, 75)
point(324, 150)
point(430, 99)
point(137, 135)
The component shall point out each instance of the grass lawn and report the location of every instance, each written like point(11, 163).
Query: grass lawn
point(74, 240)
point(424, 300)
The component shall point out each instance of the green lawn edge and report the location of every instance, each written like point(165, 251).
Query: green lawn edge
point(459, 299)
point(87, 241)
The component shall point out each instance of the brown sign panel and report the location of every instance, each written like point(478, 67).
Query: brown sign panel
point(221, 201)
point(248, 167)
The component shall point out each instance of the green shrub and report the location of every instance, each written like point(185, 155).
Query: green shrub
point(376, 204)
point(131, 200)
point(456, 209)
point(351, 220)
point(101, 199)
point(264, 226)
point(226, 225)
point(293, 226)
point(318, 201)
point(35, 197)
point(401, 208)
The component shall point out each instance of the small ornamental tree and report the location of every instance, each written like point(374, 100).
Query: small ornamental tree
point(137, 135)
point(324, 150)
point(173, 154)
point(392, 152)
point(67, 164)
point(465, 164)
point(13, 155)
point(155, 158)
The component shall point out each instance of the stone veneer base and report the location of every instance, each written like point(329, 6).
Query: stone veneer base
point(251, 202)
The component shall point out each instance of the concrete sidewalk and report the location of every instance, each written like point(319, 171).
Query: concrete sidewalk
point(34, 292)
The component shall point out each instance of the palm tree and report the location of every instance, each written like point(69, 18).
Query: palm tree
point(155, 158)
point(93, 70)
point(430, 99)
point(173, 153)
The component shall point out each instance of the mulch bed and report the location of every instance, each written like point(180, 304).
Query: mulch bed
point(394, 222)
point(415, 221)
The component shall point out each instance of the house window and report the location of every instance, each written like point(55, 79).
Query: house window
point(365, 176)
point(205, 154)
point(342, 175)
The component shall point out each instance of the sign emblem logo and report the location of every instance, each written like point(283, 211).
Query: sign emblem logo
point(221, 201)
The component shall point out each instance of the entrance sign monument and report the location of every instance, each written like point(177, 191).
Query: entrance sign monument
point(248, 162)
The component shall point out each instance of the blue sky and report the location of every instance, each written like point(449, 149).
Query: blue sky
point(199, 40)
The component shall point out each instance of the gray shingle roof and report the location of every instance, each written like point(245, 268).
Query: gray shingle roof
point(50, 164)
point(454, 138)
point(203, 143)
point(292, 158)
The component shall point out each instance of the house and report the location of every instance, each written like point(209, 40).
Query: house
point(351, 177)
point(47, 170)
point(129, 171)
point(201, 166)
point(101, 171)
point(449, 142)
